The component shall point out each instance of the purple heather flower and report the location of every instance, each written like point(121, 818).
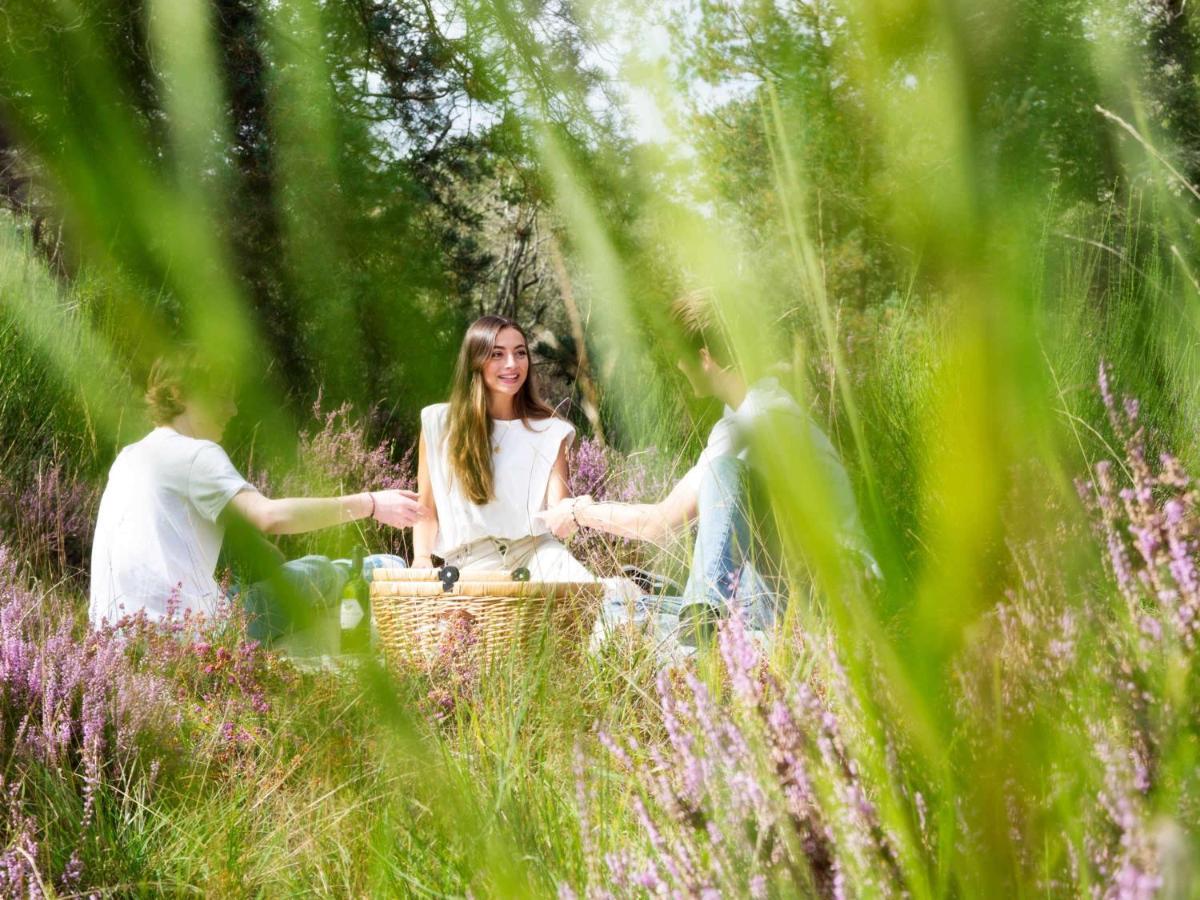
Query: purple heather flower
point(1131, 409)
point(741, 658)
point(648, 879)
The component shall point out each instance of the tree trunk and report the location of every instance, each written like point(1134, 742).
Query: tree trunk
point(1176, 53)
point(589, 393)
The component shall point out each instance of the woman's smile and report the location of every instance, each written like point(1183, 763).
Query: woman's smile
point(507, 367)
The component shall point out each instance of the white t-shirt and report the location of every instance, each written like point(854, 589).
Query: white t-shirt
point(158, 532)
point(730, 436)
point(523, 456)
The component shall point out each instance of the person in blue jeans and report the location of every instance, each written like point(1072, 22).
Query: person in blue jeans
point(733, 562)
point(171, 497)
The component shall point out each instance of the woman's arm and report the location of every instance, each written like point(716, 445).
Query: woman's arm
point(559, 490)
point(426, 530)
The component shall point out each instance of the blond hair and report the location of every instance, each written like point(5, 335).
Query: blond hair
point(172, 382)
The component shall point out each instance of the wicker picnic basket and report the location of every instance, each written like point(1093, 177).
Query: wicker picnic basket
point(415, 611)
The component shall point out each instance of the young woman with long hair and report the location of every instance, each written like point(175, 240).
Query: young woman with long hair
point(490, 460)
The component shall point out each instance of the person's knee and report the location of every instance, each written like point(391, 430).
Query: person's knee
point(382, 561)
point(312, 580)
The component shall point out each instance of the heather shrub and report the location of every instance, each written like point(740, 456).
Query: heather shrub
point(49, 517)
point(336, 457)
point(641, 477)
point(1146, 515)
point(76, 713)
point(1090, 675)
point(97, 728)
point(224, 685)
point(453, 673)
point(1031, 680)
point(753, 784)
point(746, 790)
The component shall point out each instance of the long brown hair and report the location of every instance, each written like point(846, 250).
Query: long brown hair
point(469, 433)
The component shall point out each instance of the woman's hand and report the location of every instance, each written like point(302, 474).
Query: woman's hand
point(422, 562)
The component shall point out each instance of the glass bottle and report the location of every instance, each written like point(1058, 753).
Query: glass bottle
point(356, 608)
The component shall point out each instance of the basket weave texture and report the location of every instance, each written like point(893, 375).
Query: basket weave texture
point(413, 612)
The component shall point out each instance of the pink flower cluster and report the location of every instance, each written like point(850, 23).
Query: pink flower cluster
point(73, 707)
point(1045, 654)
point(221, 680)
point(746, 791)
point(454, 671)
point(1149, 528)
point(49, 518)
point(605, 474)
point(337, 458)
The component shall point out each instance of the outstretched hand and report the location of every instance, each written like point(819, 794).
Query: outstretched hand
point(397, 508)
point(560, 518)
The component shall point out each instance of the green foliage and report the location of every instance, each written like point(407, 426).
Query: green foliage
point(308, 158)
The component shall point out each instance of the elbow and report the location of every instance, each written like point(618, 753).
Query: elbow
point(272, 520)
point(428, 527)
point(429, 508)
point(658, 526)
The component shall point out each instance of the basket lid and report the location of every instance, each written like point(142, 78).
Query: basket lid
point(434, 575)
point(475, 588)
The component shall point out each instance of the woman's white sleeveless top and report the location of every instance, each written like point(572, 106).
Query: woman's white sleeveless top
point(523, 455)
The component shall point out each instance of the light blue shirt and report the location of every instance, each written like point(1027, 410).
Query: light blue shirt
point(764, 400)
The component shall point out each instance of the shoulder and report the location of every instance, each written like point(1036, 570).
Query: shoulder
point(434, 416)
point(769, 397)
point(565, 428)
point(210, 457)
point(136, 449)
point(552, 428)
point(203, 449)
point(168, 445)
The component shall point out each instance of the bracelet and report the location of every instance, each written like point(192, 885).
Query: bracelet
point(371, 514)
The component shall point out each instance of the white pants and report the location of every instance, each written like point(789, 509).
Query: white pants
point(544, 556)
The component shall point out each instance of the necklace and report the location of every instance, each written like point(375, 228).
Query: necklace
point(499, 440)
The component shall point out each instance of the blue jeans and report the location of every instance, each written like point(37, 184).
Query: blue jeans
point(298, 590)
point(723, 576)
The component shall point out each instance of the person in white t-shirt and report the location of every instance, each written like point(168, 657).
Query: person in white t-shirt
point(490, 460)
point(715, 494)
point(170, 496)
